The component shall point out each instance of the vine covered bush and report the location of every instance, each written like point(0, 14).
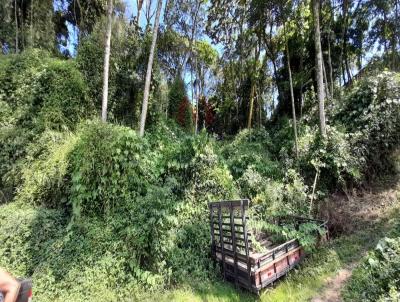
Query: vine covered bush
point(141, 206)
point(333, 158)
point(104, 215)
point(251, 148)
point(377, 278)
point(37, 94)
point(370, 113)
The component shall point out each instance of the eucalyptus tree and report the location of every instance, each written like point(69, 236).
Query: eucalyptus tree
point(186, 18)
point(228, 24)
point(7, 35)
point(273, 20)
point(385, 27)
point(139, 5)
point(84, 14)
point(284, 15)
point(27, 24)
point(205, 59)
point(318, 67)
point(107, 50)
point(146, 92)
point(172, 48)
point(291, 94)
point(16, 24)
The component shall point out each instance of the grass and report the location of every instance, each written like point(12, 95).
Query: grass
point(302, 283)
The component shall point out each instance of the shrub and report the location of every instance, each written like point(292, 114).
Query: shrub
point(26, 233)
point(45, 171)
point(251, 148)
point(13, 142)
point(43, 92)
point(288, 196)
point(371, 113)
point(333, 157)
point(39, 93)
point(377, 278)
point(110, 166)
point(18, 78)
point(61, 97)
point(184, 116)
point(80, 263)
point(210, 180)
point(176, 95)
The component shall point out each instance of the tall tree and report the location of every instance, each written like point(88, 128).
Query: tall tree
point(16, 25)
point(344, 53)
point(106, 62)
point(139, 4)
point(291, 92)
point(149, 69)
point(318, 67)
point(253, 76)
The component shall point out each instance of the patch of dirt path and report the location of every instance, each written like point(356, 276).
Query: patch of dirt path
point(334, 286)
point(350, 214)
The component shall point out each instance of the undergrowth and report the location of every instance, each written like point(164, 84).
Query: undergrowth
point(93, 212)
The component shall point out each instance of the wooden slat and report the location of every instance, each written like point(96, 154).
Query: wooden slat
point(231, 247)
point(227, 203)
point(246, 243)
point(226, 231)
point(221, 240)
point(227, 224)
point(240, 256)
point(212, 231)
point(232, 231)
point(279, 258)
point(242, 265)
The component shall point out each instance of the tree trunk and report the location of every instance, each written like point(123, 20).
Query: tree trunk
point(106, 62)
point(198, 95)
point(396, 32)
point(331, 81)
point(302, 76)
point(16, 26)
point(193, 97)
point(345, 27)
point(343, 37)
point(31, 25)
point(330, 65)
point(259, 109)
point(191, 39)
point(81, 21)
point(327, 93)
point(318, 68)
point(253, 89)
point(385, 32)
point(149, 69)
point(291, 93)
point(252, 92)
point(21, 42)
point(139, 4)
point(346, 62)
point(148, 13)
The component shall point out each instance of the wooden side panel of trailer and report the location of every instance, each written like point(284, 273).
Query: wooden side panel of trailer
point(231, 248)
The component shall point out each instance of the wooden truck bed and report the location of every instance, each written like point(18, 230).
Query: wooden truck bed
point(231, 248)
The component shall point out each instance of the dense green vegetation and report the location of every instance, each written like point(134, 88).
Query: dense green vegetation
point(282, 102)
point(103, 214)
point(377, 277)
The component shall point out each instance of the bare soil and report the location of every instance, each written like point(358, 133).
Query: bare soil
point(354, 212)
point(334, 286)
point(348, 213)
